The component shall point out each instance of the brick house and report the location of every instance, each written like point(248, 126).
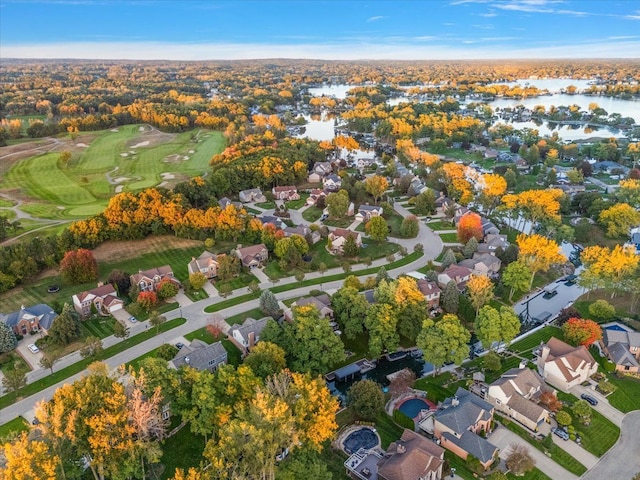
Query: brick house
point(431, 292)
point(148, 280)
point(206, 263)
point(104, 298)
point(286, 193)
point(37, 318)
point(245, 336)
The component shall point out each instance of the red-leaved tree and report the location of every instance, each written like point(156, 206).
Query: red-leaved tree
point(470, 225)
point(147, 300)
point(581, 331)
point(78, 266)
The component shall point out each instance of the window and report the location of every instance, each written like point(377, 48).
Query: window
point(211, 362)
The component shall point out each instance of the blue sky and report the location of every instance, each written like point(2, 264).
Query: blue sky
point(243, 29)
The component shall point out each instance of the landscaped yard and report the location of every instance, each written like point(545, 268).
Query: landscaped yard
point(255, 313)
point(449, 237)
point(312, 214)
point(243, 280)
point(296, 204)
point(339, 223)
point(439, 387)
point(526, 346)
point(269, 205)
point(16, 425)
point(100, 327)
point(627, 397)
point(183, 450)
point(440, 225)
point(13, 361)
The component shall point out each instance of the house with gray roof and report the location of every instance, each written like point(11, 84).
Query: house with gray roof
point(623, 349)
point(458, 423)
point(322, 303)
point(516, 394)
point(245, 336)
point(206, 263)
point(201, 356)
point(37, 318)
point(252, 195)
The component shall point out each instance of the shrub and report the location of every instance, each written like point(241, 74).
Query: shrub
point(166, 351)
point(366, 399)
point(474, 464)
point(403, 420)
point(602, 310)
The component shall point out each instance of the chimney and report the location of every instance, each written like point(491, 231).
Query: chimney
point(401, 448)
point(239, 246)
point(455, 402)
point(100, 284)
point(251, 339)
point(522, 364)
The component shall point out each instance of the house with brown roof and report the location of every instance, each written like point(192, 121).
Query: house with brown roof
point(338, 237)
point(412, 457)
point(459, 422)
point(564, 366)
point(314, 196)
point(287, 193)
point(321, 302)
point(516, 394)
point(246, 336)
point(319, 171)
point(431, 292)
point(456, 273)
point(252, 256)
point(623, 349)
point(206, 263)
point(104, 298)
point(148, 280)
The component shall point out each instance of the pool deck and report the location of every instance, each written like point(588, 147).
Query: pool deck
point(342, 436)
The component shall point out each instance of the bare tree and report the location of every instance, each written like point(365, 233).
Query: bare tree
point(402, 382)
point(520, 460)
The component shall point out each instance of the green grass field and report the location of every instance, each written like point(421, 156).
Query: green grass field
point(627, 397)
point(16, 425)
point(449, 237)
point(136, 158)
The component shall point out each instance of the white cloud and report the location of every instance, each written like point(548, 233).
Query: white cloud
point(340, 51)
point(375, 19)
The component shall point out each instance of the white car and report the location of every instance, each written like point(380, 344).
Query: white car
point(33, 348)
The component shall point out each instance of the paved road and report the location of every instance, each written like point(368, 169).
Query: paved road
point(586, 458)
point(611, 413)
point(622, 461)
point(503, 439)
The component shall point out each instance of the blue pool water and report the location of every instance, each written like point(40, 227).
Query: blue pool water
point(615, 327)
point(411, 408)
point(363, 438)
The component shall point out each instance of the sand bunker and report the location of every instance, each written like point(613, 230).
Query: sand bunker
point(167, 176)
point(83, 145)
point(124, 154)
point(114, 130)
point(141, 144)
point(119, 188)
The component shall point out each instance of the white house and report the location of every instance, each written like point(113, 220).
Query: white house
point(564, 366)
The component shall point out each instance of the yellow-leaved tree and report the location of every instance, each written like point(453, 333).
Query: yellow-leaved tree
point(619, 219)
point(605, 267)
point(376, 185)
point(480, 291)
point(534, 205)
point(538, 253)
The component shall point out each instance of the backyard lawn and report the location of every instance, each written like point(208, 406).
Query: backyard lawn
point(183, 450)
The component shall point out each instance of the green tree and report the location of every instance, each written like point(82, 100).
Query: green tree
point(350, 248)
point(269, 304)
point(92, 347)
point(450, 297)
point(448, 259)
point(120, 330)
point(444, 341)
point(155, 320)
point(166, 289)
point(602, 310)
point(197, 280)
point(409, 227)
point(366, 399)
point(563, 418)
point(350, 309)
point(337, 204)
point(266, 359)
point(582, 410)
point(166, 352)
point(425, 203)
point(516, 276)
point(470, 247)
point(7, 338)
point(66, 327)
point(381, 322)
point(382, 275)
point(491, 361)
point(228, 267)
point(496, 326)
point(305, 463)
point(14, 380)
point(377, 228)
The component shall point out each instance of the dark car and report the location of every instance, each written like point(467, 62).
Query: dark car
point(179, 345)
point(53, 288)
point(560, 432)
point(549, 294)
point(589, 399)
point(570, 280)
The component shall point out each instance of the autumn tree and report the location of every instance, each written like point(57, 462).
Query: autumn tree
point(49, 359)
point(609, 267)
point(581, 331)
point(538, 253)
point(469, 225)
point(619, 219)
point(26, 459)
point(228, 267)
point(377, 228)
point(78, 266)
point(147, 300)
point(166, 289)
point(517, 277)
point(492, 187)
point(366, 399)
point(444, 341)
point(410, 227)
point(375, 186)
point(156, 320)
point(496, 326)
point(13, 380)
point(197, 280)
point(266, 359)
point(402, 382)
point(629, 191)
point(535, 205)
point(602, 310)
point(550, 401)
point(92, 347)
point(480, 291)
point(381, 322)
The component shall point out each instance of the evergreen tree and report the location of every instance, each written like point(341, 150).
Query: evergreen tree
point(269, 304)
point(470, 248)
point(66, 327)
point(350, 248)
point(448, 259)
point(382, 275)
point(7, 338)
point(449, 299)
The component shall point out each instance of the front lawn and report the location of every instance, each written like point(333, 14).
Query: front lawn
point(312, 214)
point(627, 397)
point(339, 222)
point(296, 204)
point(270, 205)
point(449, 237)
point(256, 314)
point(100, 327)
point(12, 361)
point(242, 280)
point(14, 426)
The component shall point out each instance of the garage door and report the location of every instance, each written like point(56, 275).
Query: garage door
point(115, 307)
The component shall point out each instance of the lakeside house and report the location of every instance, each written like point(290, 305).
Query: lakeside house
point(623, 349)
point(565, 366)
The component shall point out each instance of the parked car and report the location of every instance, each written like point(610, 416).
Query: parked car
point(560, 432)
point(179, 345)
point(589, 399)
point(133, 319)
point(33, 348)
point(550, 292)
point(323, 217)
point(570, 280)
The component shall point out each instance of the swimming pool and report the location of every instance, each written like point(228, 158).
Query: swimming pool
point(412, 407)
point(362, 438)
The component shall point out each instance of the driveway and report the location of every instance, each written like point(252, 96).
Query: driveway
point(622, 460)
point(182, 299)
point(503, 439)
point(611, 413)
point(210, 289)
point(588, 459)
point(121, 315)
point(32, 359)
point(260, 275)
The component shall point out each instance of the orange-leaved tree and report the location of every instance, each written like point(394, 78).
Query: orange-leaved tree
point(581, 331)
point(538, 253)
point(78, 266)
point(470, 225)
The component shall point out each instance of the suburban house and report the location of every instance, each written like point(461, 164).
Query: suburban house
point(516, 393)
point(33, 319)
point(253, 256)
point(275, 221)
point(459, 274)
point(245, 336)
point(303, 231)
point(252, 195)
point(623, 349)
point(442, 202)
point(492, 242)
point(367, 212)
point(148, 280)
point(319, 171)
point(482, 264)
point(412, 457)
point(431, 292)
point(321, 302)
point(201, 356)
point(458, 423)
point(332, 182)
point(286, 193)
point(104, 298)
point(224, 202)
point(488, 227)
point(206, 263)
point(564, 366)
point(314, 195)
point(338, 237)
point(416, 187)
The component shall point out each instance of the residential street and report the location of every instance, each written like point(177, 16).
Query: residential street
point(622, 461)
point(503, 439)
point(613, 414)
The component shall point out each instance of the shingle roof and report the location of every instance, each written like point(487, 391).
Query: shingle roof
point(473, 444)
point(467, 412)
point(203, 261)
point(410, 458)
point(198, 354)
point(42, 310)
point(250, 325)
point(567, 358)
